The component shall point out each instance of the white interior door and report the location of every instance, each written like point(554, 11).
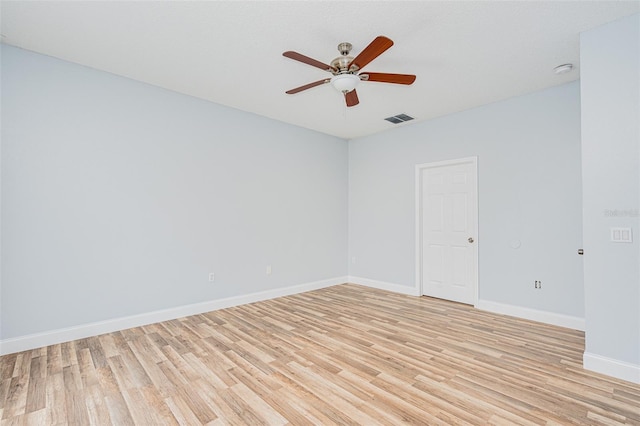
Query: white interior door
point(447, 230)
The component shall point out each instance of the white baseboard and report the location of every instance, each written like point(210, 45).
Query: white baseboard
point(611, 367)
point(567, 321)
point(381, 285)
point(38, 340)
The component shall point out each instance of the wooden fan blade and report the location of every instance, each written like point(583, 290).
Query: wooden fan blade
point(351, 98)
point(307, 86)
point(389, 78)
point(307, 60)
point(372, 51)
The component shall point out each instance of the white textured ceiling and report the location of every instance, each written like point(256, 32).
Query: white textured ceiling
point(464, 54)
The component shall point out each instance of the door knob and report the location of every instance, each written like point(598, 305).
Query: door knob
point(470, 239)
point(580, 252)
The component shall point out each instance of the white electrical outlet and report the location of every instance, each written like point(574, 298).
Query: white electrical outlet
point(212, 277)
point(268, 269)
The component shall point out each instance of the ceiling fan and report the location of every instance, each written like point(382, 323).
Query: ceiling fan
point(345, 69)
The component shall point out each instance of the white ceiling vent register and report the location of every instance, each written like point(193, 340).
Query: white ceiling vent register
point(400, 118)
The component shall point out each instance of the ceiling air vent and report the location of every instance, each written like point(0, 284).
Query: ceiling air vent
point(400, 118)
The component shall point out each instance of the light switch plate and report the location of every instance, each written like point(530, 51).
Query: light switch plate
point(621, 235)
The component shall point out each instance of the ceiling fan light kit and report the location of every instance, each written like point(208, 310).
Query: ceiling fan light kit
point(345, 69)
point(345, 82)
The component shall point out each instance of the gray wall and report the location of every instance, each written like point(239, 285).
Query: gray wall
point(118, 198)
point(611, 188)
point(529, 170)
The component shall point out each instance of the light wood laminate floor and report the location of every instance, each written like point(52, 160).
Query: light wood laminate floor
point(340, 355)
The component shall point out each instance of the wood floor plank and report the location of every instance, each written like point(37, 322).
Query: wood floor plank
point(76, 409)
point(97, 409)
point(340, 355)
point(8, 366)
point(68, 353)
point(16, 398)
point(36, 394)
point(113, 396)
point(273, 395)
point(56, 399)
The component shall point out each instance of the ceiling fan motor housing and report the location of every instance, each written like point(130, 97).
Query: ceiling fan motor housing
point(341, 65)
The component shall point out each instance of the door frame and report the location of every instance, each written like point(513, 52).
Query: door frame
point(420, 168)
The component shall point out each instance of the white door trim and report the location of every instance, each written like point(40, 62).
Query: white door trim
point(420, 168)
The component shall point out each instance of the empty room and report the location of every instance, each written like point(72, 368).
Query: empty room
point(320, 212)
